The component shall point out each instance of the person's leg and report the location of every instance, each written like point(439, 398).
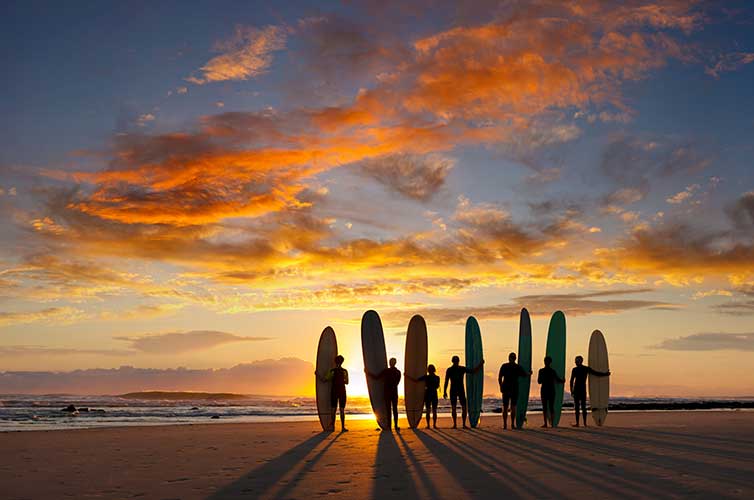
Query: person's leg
point(505, 412)
point(545, 410)
point(343, 413)
point(453, 411)
point(462, 398)
point(583, 408)
point(434, 412)
point(551, 406)
point(428, 404)
point(576, 409)
point(513, 413)
point(333, 407)
point(394, 402)
point(389, 414)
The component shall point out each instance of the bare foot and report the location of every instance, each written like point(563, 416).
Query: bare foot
point(544, 426)
point(575, 425)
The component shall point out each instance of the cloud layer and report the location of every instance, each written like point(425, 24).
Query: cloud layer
point(710, 342)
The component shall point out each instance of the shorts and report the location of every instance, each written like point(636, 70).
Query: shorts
point(338, 398)
point(579, 395)
point(430, 400)
point(510, 397)
point(458, 396)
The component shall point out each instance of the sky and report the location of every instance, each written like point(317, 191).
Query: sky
point(203, 187)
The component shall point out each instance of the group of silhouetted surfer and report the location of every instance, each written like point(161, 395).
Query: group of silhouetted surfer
point(508, 378)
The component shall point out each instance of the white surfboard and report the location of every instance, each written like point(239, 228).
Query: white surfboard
point(599, 387)
point(375, 360)
point(326, 353)
point(415, 366)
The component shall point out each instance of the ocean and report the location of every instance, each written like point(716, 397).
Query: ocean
point(35, 412)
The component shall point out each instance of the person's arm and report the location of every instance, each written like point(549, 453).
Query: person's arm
point(557, 377)
point(477, 367)
point(522, 372)
point(573, 377)
point(445, 388)
point(599, 374)
point(500, 378)
point(398, 380)
point(345, 376)
point(539, 377)
point(326, 378)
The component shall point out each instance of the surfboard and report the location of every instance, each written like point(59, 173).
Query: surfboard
point(599, 387)
point(327, 350)
point(415, 365)
point(375, 360)
point(556, 349)
point(524, 360)
point(474, 381)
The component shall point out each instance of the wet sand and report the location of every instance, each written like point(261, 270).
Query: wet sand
point(638, 455)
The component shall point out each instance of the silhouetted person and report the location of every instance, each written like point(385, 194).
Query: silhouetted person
point(578, 386)
point(455, 375)
point(547, 378)
point(507, 378)
point(431, 386)
point(339, 378)
point(391, 377)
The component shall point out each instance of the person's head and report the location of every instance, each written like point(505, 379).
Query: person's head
point(393, 361)
point(339, 360)
point(455, 360)
point(579, 360)
point(512, 357)
point(548, 360)
point(431, 369)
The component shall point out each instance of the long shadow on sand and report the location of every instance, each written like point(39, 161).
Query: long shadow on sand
point(560, 462)
point(674, 467)
point(390, 477)
point(465, 469)
point(421, 473)
point(260, 479)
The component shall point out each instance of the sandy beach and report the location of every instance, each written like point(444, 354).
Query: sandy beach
point(657, 454)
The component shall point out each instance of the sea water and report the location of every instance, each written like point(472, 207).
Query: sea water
point(46, 412)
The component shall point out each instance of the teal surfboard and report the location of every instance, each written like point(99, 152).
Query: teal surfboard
point(474, 381)
point(556, 349)
point(524, 360)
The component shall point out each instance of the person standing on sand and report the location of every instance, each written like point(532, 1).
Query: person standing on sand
point(578, 386)
point(339, 378)
point(392, 377)
point(507, 378)
point(547, 378)
point(455, 375)
point(431, 386)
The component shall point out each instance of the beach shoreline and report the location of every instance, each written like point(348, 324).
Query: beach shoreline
point(636, 454)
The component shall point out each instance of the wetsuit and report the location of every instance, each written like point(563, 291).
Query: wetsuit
point(431, 385)
point(509, 373)
point(578, 382)
point(547, 378)
point(338, 375)
point(392, 377)
point(457, 392)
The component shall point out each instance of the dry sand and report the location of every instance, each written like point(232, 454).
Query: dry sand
point(661, 454)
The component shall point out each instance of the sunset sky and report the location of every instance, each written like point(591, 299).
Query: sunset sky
point(210, 184)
